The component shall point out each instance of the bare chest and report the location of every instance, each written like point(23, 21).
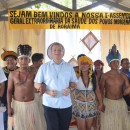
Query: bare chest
point(23, 78)
point(115, 80)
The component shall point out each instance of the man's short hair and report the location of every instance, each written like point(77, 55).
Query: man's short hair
point(37, 56)
point(124, 60)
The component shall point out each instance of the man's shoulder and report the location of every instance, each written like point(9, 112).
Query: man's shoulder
point(5, 69)
point(45, 66)
point(68, 64)
point(128, 74)
point(106, 74)
point(47, 63)
point(124, 75)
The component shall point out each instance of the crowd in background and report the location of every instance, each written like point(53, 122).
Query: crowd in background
point(49, 96)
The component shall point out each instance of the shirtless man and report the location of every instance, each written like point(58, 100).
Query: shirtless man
point(24, 108)
point(37, 61)
point(115, 116)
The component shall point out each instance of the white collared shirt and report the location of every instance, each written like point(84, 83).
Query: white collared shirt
point(2, 76)
point(56, 77)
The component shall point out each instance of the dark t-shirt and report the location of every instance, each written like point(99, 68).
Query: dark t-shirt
point(127, 97)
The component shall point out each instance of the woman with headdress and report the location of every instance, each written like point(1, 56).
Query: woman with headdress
point(85, 103)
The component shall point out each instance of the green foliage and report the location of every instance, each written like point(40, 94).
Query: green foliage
point(38, 6)
point(66, 3)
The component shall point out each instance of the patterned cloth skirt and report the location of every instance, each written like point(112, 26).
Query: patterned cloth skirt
point(87, 108)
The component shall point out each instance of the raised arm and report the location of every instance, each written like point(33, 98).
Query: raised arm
point(9, 93)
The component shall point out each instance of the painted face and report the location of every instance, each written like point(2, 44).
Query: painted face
point(84, 66)
point(10, 62)
point(57, 52)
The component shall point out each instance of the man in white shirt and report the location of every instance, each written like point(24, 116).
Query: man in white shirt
point(56, 75)
point(2, 79)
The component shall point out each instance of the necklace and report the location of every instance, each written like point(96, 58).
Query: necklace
point(86, 83)
point(57, 69)
point(6, 70)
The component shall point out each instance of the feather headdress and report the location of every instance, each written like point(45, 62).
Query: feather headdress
point(24, 50)
point(6, 54)
point(84, 58)
point(113, 55)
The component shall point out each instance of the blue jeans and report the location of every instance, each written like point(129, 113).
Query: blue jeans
point(5, 118)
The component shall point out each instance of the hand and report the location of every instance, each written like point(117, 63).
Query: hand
point(101, 107)
point(52, 92)
point(10, 112)
point(127, 91)
point(66, 92)
point(41, 90)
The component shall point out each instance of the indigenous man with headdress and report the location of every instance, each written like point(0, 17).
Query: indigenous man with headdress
point(9, 57)
point(115, 116)
point(25, 111)
point(87, 90)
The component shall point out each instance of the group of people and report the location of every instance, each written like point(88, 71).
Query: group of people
point(38, 97)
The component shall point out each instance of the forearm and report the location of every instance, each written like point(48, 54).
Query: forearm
point(99, 96)
point(2, 89)
point(127, 91)
point(9, 98)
